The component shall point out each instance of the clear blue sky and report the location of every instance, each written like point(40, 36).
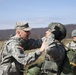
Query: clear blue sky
point(38, 13)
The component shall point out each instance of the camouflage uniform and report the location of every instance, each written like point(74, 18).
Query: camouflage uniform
point(70, 64)
point(13, 57)
point(54, 50)
point(54, 56)
point(72, 45)
point(70, 68)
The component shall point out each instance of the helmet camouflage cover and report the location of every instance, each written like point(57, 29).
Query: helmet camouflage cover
point(58, 30)
point(73, 33)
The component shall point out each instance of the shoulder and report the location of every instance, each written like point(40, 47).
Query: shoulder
point(14, 44)
point(68, 44)
point(71, 44)
point(11, 42)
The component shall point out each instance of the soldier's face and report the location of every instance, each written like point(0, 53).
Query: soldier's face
point(24, 34)
point(74, 38)
point(48, 32)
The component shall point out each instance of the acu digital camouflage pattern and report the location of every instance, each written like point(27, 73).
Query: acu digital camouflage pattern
point(13, 57)
point(23, 26)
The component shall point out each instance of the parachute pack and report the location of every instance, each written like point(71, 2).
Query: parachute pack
point(34, 69)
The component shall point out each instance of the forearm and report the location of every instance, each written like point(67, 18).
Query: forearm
point(33, 44)
point(27, 58)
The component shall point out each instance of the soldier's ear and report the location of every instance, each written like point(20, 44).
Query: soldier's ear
point(18, 32)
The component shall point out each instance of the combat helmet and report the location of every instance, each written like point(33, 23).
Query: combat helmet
point(58, 30)
point(73, 33)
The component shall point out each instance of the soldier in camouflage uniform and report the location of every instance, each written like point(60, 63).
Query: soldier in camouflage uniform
point(54, 49)
point(71, 53)
point(72, 44)
point(13, 57)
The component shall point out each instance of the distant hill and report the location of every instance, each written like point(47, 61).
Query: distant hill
point(35, 32)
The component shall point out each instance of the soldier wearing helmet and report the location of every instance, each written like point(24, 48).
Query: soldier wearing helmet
point(54, 49)
point(73, 33)
point(71, 53)
point(72, 44)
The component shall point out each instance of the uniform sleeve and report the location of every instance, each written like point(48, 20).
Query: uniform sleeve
point(17, 53)
point(33, 43)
